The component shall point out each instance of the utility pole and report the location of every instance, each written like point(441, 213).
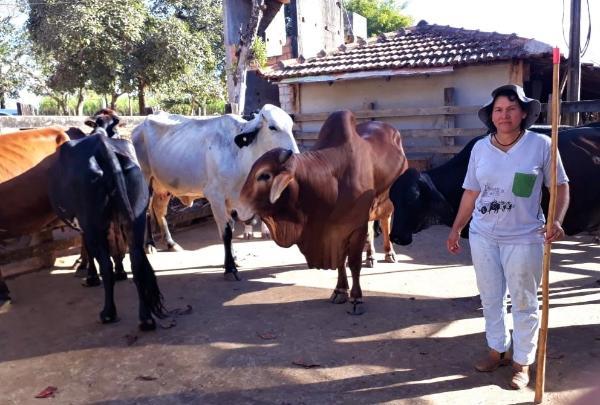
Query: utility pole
point(574, 72)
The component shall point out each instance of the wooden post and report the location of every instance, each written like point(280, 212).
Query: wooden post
point(543, 336)
point(574, 72)
point(449, 120)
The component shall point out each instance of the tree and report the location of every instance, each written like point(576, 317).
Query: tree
point(382, 15)
point(86, 42)
point(14, 69)
point(203, 83)
point(167, 51)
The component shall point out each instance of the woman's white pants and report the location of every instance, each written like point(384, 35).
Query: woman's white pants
point(518, 268)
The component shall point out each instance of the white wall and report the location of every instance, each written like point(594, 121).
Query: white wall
point(275, 34)
point(320, 26)
point(472, 86)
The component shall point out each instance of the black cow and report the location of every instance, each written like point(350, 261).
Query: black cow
point(433, 196)
point(105, 122)
point(95, 181)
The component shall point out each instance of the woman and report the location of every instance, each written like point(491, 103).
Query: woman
point(502, 194)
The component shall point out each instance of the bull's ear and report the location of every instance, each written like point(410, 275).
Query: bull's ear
point(245, 138)
point(280, 182)
point(90, 123)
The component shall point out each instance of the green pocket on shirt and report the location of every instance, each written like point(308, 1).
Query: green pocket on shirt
point(523, 184)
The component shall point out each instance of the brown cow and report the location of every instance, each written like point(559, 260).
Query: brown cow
point(321, 200)
point(19, 152)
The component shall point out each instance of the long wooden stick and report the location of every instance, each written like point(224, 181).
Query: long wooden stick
point(543, 336)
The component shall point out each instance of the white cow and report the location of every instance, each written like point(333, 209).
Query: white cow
point(211, 158)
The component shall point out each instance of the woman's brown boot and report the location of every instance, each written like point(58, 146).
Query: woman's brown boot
point(520, 376)
point(493, 360)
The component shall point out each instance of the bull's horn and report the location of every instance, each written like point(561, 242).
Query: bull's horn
point(284, 155)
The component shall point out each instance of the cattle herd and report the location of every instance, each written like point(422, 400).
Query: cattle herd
point(323, 200)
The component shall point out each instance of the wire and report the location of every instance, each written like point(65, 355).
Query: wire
point(563, 26)
point(589, 33)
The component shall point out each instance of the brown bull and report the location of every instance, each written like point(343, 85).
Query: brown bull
point(322, 200)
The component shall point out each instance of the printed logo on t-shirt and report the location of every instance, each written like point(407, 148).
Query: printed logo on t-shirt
point(495, 207)
point(489, 191)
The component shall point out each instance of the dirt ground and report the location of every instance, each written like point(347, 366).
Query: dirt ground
point(273, 338)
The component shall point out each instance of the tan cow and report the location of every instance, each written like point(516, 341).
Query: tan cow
point(25, 207)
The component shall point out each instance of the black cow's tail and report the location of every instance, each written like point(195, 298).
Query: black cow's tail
point(110, 164)
point(148, 288)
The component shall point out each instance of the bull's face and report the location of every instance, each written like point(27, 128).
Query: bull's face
point(107, 120)
point(417, 206)
point(269, 178)
point(270, 128)
point(410, 204)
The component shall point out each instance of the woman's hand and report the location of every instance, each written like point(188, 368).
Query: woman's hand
point(452, 242)
point(555, 233)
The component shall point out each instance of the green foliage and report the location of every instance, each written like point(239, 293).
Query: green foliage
point(85, 43)
point(48, 106)
point(382, 15)
point(259, 52)
point(171, 48)
point(14, 70)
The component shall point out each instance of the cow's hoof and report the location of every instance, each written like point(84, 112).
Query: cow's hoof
point(265, 235)
point(248, 235)
point(232, 276)
point(120, 276)
point(4, 300)
point(338, 297)
point(175, 248)
point(147, 325)
point(370, 262)
point(390, 258)
point(81, 272)
point(150, 249)
point(358, 308)
point(91, 281)
point(108, 317)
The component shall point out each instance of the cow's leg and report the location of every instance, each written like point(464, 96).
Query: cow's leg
point(390, 255)
point(264, 230)
point(160, 204)
point(231, 271)
point(120, 273)
point(150, 298)
point(370, 246)
point(4, 292)
point(117, 248)
point(150, 243)
point(340, 294)
point(84, 262)
point(248, 231)
point(92, 279)
point(225, 225)
point(98, 249)
point(356, 242)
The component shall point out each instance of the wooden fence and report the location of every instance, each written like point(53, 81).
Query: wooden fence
point(447, 136)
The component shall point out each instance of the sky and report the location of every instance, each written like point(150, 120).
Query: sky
point(537, 19)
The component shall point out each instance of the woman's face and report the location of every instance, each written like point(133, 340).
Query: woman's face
point(507, 115)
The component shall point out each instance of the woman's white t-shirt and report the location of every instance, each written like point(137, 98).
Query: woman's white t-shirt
point(510, 185)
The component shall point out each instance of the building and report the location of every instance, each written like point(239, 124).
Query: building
point(428, 80)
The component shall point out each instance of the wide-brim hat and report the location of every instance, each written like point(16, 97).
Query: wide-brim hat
point(532, 107)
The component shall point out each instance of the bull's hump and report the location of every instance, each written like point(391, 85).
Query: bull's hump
point(339, 128)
